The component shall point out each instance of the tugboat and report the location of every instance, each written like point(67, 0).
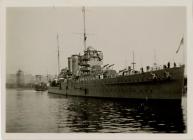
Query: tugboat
point(39, 85)
point(87, 76)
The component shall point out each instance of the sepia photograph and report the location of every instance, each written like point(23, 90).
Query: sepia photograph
point(96, 69)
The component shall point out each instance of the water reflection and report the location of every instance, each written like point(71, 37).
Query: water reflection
point(40, 112)
point(107, 115)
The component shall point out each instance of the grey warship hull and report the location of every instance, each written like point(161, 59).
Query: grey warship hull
point(137, 86)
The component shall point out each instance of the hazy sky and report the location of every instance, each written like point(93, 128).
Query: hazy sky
point(116, 31)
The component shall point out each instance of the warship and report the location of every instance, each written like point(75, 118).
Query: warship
point(87, 76)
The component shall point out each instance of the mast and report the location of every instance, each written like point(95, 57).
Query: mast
point(84, 34)
point(57, 38)
point(133, 63)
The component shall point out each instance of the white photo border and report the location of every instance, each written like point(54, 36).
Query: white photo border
point(114, 3)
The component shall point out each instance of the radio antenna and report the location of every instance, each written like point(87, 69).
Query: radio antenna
point(57, 38)
point(133, 63)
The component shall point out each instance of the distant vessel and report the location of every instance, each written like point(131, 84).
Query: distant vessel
point(87, 76)
point(39, 85)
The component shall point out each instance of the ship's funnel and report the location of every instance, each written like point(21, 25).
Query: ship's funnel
point(75, 66)
point(70, 64)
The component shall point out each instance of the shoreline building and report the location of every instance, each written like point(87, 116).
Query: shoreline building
point(20, 82)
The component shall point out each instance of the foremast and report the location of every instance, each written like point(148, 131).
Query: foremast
point(84, 23)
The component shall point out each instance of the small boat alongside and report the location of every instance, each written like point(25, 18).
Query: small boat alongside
point(40, 85)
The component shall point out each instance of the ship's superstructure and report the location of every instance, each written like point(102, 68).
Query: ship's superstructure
point(88, 76)
point(89, 66)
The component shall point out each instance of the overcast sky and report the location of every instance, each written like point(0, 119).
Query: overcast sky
point(153, 33)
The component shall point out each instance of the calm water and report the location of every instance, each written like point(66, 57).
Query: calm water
point(31, 111)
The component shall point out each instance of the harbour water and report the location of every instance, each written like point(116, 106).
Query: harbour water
point(28, 111)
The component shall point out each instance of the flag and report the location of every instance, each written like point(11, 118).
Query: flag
point(181, 43)
point(85, 37)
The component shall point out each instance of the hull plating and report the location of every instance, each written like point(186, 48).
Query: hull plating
point(138, 86)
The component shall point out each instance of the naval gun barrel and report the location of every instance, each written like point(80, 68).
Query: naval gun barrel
point(122, 70)
point(110, 65)
point(105, 65)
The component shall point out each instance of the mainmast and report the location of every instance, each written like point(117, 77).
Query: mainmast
point(133, 63)
point(57, 38)
point(84, 34)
